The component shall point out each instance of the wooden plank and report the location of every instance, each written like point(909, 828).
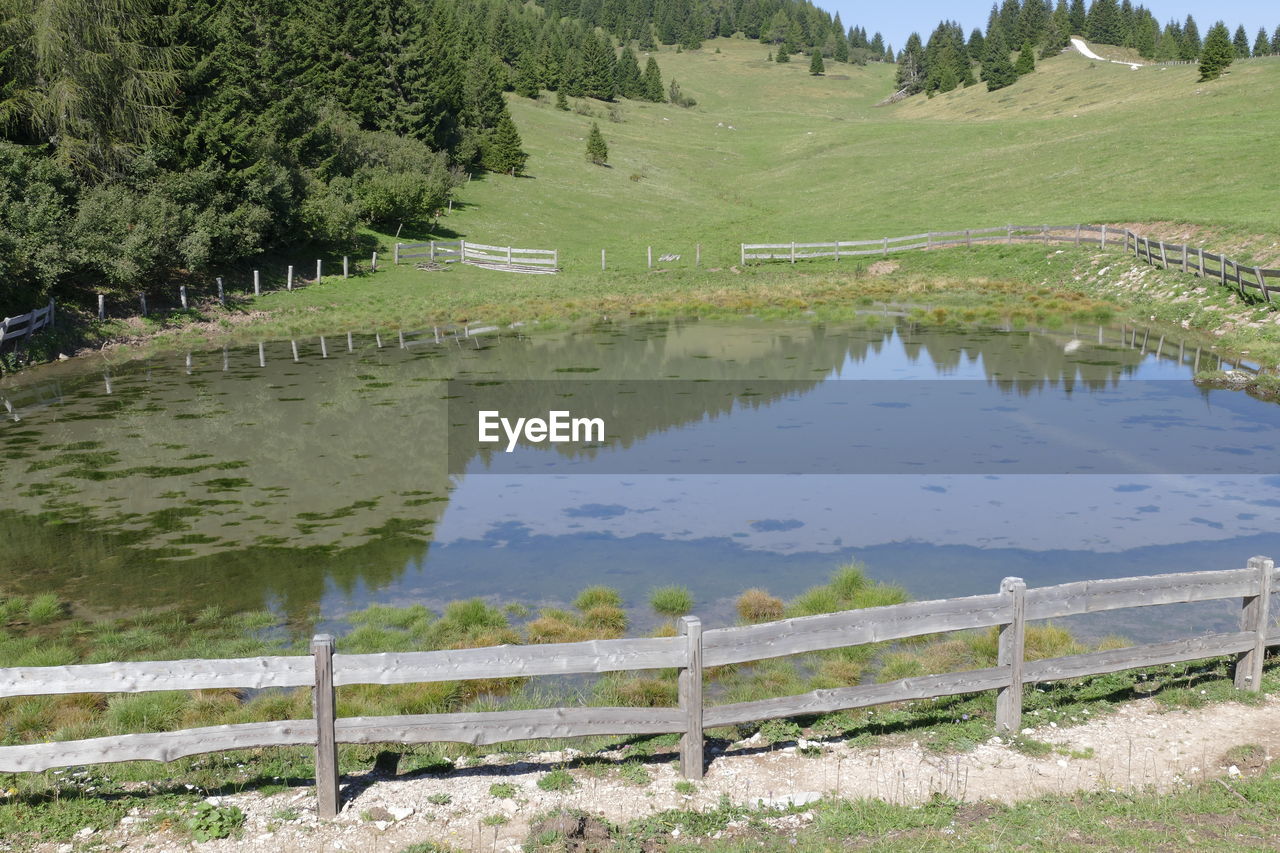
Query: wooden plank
point(1154, 654)
point(1010, 654)
point(1068, 599)
point(140, 677)
point(158, 746)
point(844, 698)
point(509, 661)
point(491, 727)
point(323, 703)
point(690, 697)
point(1255, 617)
point(851, 628)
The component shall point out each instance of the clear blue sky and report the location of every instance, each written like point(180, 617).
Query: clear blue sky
point(897, 20)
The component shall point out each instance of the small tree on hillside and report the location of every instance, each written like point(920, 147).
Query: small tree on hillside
point(597, 151)
point(653, 82)
point(997, 70)
point(782, 55)
point(562, 103)
point(502, 152)
point(815, 64)
point(1262, 44)
point(1026, 59)
point(1217, 52)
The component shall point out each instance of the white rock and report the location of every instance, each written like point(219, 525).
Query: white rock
point(381, 825)
point(400, 812)
point(1233, 770)
point(88, 830)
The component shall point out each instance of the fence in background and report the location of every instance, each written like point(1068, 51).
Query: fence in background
point(507, 258)
point(25, 325)
point(1009, 610)
point(1227, 270)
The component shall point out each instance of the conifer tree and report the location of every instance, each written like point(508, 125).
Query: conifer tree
point(911, 70)
point(502, 151)
point(597, 150)
point(816, 67)
point(976, 42)
point(1262, 44)
point(597, 68)
point(876, 45)
point(1241, 43)
point(1216, 53)
point(527, 83)
point(1190, 46)
point(997, 70)
point(782, 55)
point(562, 103)
point(1275, 40)
point(840, 51)
point(626, 75)
point(1077, 18)
point(653, 82)
point(1105, 25)
point(1026, 59)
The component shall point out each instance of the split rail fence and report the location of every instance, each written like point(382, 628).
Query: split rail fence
point(26, 325)
point(1251, 280)
point(506, 258)
point(1009, 609)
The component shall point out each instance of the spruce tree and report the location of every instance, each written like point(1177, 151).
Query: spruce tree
point(782, 55)
point(816, 67)
point(1105, 25)
point(1262, 44)
point(562, 103)
point(1077, 18)
point(653, 82)
point(597, 68)
point(840, 52)
point(502, 151)
point(597, 151)
point(1275, 40)
point(527, 83)
point(997, 70)
point(1026, 59)
point(1190, 46)
point(627, 77)
point(1217, 52)
point(911, 70)
point(1241, 43)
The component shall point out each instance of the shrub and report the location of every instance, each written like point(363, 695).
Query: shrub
point(44, 608)
point(757, 605)
point(597, 596)
point(557, 780)
point(671, 600)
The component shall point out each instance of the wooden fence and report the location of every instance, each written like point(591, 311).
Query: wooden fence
point(506, 258)
point(25, 325)
point(1009, 609)
point(1251, 280)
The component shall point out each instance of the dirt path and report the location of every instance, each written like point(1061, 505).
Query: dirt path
point(1135, 748)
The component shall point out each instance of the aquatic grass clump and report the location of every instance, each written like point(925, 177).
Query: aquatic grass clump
point(44, 608)
point(597, 596)
point(146, 712)
point(671, 601)
point(756, 605)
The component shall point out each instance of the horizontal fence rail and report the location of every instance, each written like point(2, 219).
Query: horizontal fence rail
point(689, 653)
point(507, 258)
point(26, 325)
point(1250, 280)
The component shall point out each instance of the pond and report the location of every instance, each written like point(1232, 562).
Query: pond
point(314, 477)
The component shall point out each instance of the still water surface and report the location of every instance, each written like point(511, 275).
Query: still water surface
point(316, 477)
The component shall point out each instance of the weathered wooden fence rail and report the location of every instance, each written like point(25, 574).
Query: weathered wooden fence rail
point(506, 258)
point(25, 325)
point(1009, 610)
point(1250, 280)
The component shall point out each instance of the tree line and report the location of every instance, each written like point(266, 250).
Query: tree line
point(144, 140)
point(1037, 28)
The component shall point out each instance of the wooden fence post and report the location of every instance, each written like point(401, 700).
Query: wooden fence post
point(968, 238)
point(346, 267)
point(1254, 616)
point(324, 347)
point(326, 741)
point(395, 260)
point(1185, 250)
point(1104, 238)
point(142, 298)
point(690, 688)
point(262, 354)
point(1164, 261)
point(697, 254)
point(319, 267)
point(182, 294)
point(884, 251)
point(1200, 262)
point(928, 239)
point(508, 256)
point(373, 263)
point(793, 251)
point(102, 307)
point(742, 254)
point(257, 284)
point(288, 279)
point(1077, 235)
point(294, 344)
point(1008, 236)
point(431, 252)
point(222, 297)
point(1222, 264)
point(649, 255)
point(837, 251)
point(1044, 230)
point(1262, 284)
point(1013, 638)
point(602, 260)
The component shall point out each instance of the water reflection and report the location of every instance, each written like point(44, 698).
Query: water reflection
point(300, 476)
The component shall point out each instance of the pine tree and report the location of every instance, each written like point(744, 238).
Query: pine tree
point(840, 52)
point(562, 103)
point(1262, 44)
point(782, 55)
point(527, 83)
point(653, 82)
point(1275, 40)
point(597, 68)
point(502, 151)
point(911, 70)
point(1026, 59)
point(816, 67)
point(1105, 25)
point(976, 43)
point(1190, 47)
point(597, 151)
point(1217, 52)
point(627, 77)
point(1077, 18)
point(997, 70)
point(1241, 43)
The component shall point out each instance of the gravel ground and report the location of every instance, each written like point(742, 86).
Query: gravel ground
point(1137, 747)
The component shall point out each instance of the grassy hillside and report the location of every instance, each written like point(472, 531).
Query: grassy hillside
point(812, 159)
